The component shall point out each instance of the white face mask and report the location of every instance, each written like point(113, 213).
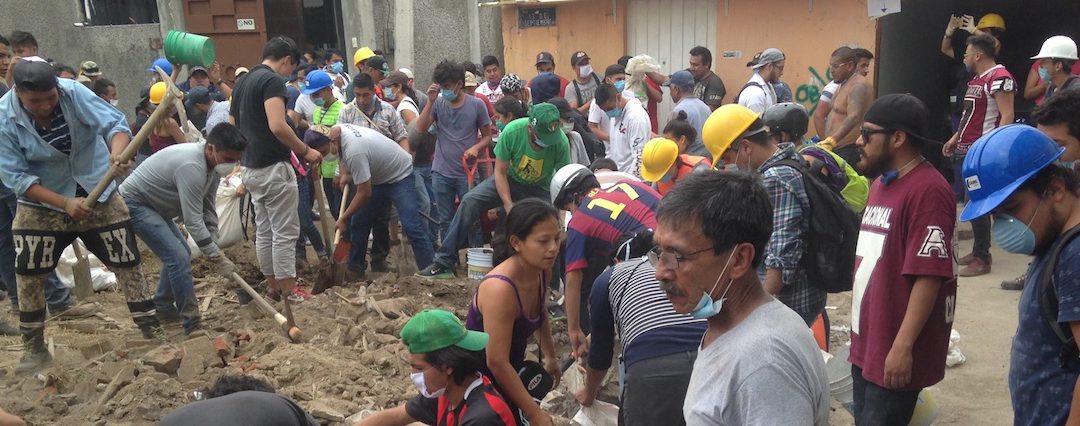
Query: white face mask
point(224, 168)
point(585, 70)
point(418, 381)
point(114, 102)
point(567, 127)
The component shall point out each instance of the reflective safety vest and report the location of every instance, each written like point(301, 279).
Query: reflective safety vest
point(686, 164)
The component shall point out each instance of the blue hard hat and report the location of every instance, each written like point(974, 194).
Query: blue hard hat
point(1002, 160)
point(162, 63)
point(316, 81)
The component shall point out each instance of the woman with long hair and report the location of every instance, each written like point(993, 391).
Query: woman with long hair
point(526, 246)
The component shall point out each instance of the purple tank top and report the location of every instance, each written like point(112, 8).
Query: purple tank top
point(523, 326)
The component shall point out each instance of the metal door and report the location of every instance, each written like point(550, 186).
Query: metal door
point(667, 30)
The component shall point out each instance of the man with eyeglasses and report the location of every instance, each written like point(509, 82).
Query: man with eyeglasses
point(599, 218)
point(758, 93)
point(852, 99)
point(987, 105)
point(904, 295)
point(659, 345)
point(756, 363)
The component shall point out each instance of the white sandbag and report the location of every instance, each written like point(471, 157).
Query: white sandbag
point(230, 222)
point(100, 276)
point(599, 414)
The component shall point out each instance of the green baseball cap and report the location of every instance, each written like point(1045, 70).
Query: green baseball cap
point(435, 329)
point(544, 120)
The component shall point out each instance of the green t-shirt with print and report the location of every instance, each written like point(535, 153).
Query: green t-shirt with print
point(527, 165)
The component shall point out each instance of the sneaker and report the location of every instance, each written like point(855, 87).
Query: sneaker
point(381, 267)
point(1015, 283)
point(437, 272)
point(976, 268)
point(75, 312)
point(34, 361)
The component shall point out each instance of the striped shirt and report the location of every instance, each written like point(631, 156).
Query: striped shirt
point(628, 298)
point(57, 134)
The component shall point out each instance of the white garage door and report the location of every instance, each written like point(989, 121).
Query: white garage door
point(667, 30)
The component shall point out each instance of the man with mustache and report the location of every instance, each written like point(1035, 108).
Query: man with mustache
point(757, 364)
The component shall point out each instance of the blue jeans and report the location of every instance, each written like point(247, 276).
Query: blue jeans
point(57, 295)
point(308, 230)
point(980, 226)
point(333, 196)
point(424, 198)
point(402, 194)
point(875, 405)
point(482, 198)
point(446, 191)
point(175, 295)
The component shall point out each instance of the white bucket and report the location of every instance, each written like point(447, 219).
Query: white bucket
point(838, 370)
point(479, 261)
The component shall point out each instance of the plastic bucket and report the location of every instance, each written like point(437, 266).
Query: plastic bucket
point(479, 262)
point(189, 49)
point(838, 370)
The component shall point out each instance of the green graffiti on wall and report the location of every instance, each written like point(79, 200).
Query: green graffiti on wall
point(810, 94)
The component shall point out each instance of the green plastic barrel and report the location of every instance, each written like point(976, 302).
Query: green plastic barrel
point(189, 49)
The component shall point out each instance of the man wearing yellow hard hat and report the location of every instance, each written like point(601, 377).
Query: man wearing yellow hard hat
point(735, 134)
point(664, 166)
point(990, 23)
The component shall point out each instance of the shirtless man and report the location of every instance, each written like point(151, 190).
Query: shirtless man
point(852, 99)
point(824, 107)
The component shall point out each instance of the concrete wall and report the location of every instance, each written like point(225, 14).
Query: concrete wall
point(123, 51)
point(418, 34)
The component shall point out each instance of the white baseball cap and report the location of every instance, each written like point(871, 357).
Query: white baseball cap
point(408, 73)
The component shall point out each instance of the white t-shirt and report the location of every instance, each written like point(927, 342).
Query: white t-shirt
point(765, 371)
point(305, 106)
point(407, 104)
point(758, 98)
point(629, 133)
point(597, 115)
point(609, 179)
point(829, 91)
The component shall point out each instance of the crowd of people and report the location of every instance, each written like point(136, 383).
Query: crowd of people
point(706, 248)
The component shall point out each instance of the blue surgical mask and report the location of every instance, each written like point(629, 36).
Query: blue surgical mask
point(431, 129)
point(448, 94)
point(620, 85)
point(614, 113)
point(338, 67)
point(319, 102)
point(388, 93)
point(706, 307)
point(302, 86)
point(1014, 236)
point(1044, 74)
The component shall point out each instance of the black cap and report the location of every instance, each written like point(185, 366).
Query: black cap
point(34, 76)
point(899, 111)
point(545, 58)
point(614, 69)
point(379, 63)
point(577, 57)
point(197, 95)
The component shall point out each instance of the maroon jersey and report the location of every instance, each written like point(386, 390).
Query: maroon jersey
point(906, 232)
point(981, 112)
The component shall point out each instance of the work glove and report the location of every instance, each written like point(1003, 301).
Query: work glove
point(222, 266)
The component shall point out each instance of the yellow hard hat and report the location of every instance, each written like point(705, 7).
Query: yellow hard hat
point(725, 125)
point(157, 92)
point(657, 157)
point(362, 55)
point(991, 20)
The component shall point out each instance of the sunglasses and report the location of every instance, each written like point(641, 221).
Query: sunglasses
point(867, 133)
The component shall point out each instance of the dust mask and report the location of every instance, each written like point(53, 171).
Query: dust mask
point(418, 381)
point(706, 307)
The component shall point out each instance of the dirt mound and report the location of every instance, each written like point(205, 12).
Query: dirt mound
point(351, 357)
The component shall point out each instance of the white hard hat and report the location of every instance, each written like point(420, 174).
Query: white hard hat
point(1057, 47)
point(569, 179)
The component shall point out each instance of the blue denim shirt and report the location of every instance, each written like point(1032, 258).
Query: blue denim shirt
point(26, 159)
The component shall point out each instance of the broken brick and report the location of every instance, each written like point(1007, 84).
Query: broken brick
point(165, 359)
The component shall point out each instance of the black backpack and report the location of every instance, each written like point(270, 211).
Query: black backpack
point(829, 259)
point(577, 89)
point(1049, 300)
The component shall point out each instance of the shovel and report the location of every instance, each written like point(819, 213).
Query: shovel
point(341, 247)
point(325, 279)
point(84, 284)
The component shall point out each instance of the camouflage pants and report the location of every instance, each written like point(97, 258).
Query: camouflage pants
point(42, 234)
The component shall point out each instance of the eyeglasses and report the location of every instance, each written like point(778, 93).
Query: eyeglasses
point(670, 260)
point(867, 133)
